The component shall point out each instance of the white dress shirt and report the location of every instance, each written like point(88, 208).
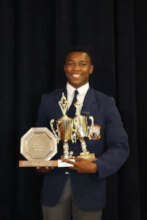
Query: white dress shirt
point(82, 91)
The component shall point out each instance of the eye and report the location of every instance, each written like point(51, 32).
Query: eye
point(82, 64)
point(70, 63)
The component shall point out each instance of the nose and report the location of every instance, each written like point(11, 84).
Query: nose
point(76, 67)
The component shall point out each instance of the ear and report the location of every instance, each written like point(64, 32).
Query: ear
point(91, 69)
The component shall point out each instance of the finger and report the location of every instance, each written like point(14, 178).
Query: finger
point(69, 161)
point(49, 168)
point(82, 159)
point(78, 159)
point(40, 169)
point(73, 168)
point(94, 159)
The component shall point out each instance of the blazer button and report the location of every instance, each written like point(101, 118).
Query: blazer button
point(67, 172)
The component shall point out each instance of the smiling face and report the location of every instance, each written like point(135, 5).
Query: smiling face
point(78, 68)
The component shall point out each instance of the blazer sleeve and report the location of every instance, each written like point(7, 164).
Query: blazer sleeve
point(117, 149)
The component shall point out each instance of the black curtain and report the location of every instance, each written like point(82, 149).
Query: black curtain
point(34, 36)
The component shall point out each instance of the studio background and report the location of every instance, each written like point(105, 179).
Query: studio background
point(33, 38)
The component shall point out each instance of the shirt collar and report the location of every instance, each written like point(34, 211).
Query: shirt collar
point(81, 90)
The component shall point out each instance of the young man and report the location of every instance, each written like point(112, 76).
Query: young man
point(80, 192)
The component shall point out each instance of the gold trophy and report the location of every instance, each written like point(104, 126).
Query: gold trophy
point(74, 129)
point(82, 130)
point(64, 128)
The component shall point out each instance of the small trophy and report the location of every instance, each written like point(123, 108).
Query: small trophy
point(82, 130)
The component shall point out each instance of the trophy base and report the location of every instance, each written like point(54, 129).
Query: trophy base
point(87, 155)
point(67, 157)
point(39, 163)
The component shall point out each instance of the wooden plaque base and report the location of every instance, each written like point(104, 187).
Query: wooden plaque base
point(39, 163)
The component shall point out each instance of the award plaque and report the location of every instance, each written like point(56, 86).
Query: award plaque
point(38, 146)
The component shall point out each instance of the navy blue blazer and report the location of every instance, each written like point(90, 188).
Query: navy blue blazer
point(88, 190)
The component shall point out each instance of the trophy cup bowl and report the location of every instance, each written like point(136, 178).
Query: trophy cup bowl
point(64, 133)
point(81, 126)
point(64, 127)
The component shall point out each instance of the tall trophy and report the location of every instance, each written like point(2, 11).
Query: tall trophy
point(39, 145)
point(64, 128)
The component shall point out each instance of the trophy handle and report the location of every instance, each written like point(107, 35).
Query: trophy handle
point(53, 130)
point(92, 121)
point(92, 124)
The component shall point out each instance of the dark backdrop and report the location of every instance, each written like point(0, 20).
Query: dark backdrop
point(33, 38)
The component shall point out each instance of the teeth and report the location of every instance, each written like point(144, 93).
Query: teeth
point(76, 75)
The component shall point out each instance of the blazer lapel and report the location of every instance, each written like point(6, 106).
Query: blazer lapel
point(90, 103)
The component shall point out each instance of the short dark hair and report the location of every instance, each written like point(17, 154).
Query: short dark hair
point(81, 48)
